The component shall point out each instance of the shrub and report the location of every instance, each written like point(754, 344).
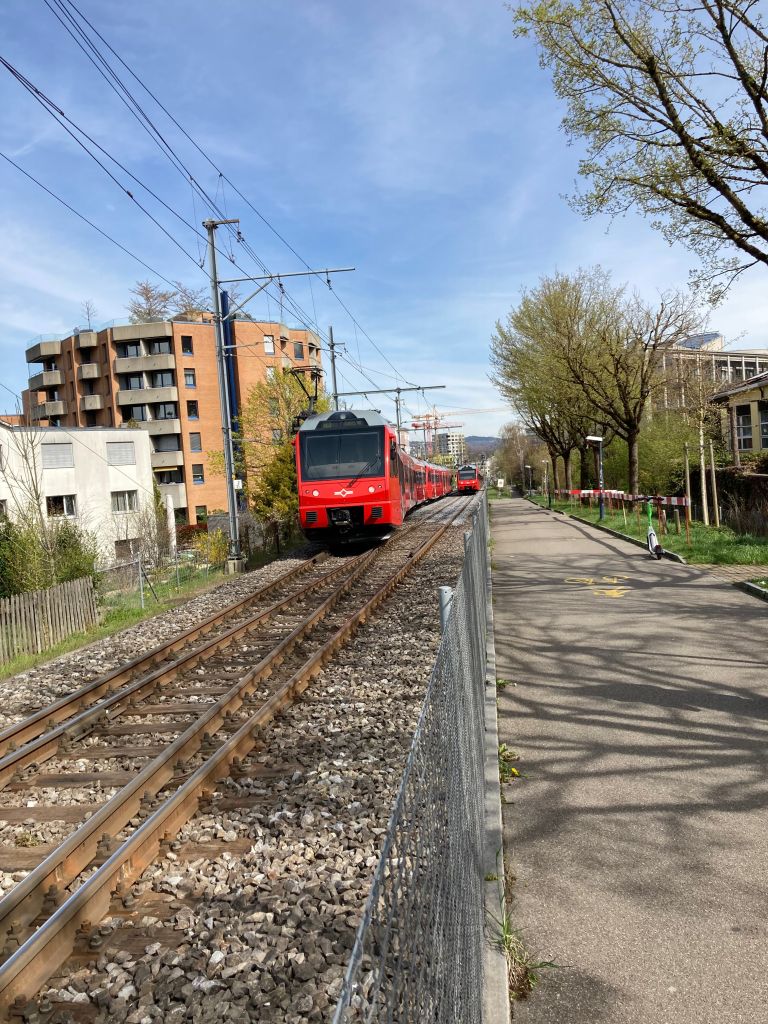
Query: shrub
point(212, 547)
point(186, 535)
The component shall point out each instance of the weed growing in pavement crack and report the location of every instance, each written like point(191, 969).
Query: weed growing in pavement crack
point(507, 758)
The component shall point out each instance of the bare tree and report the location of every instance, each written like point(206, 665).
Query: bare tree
point(671, 99)
point(189, 303)
point(150, 302)
point(89, 311)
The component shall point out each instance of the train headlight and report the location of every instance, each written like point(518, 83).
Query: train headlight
point(315, 494)
point(371, 490)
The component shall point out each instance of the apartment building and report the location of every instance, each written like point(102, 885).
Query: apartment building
point(452, 443)
point(162, 378)
point(706, 355)
point(100, 478)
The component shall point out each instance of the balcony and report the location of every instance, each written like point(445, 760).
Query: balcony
point(144, 364)
point(43, 350)
point(142, 396)
point(135, 332)
point(46, 410)
point(177, 492)
point(88, 371)
point(91, 403)
point(157, 428)
point(46, 379)
point(167, 460)
point(86, 339)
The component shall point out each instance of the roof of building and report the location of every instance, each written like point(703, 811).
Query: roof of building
point(759, 380)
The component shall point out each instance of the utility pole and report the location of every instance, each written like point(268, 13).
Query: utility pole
point(332, 350)
point(235, 561)
point(381, 391)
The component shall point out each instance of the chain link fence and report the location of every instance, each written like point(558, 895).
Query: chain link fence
point(418, 954)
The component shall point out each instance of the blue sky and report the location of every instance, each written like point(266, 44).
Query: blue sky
point(417, 141)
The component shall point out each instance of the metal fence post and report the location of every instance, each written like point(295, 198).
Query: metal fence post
point(141, 583)
point(446, 596)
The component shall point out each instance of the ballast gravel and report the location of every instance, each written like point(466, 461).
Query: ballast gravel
point(266, 934)
point(22, 694)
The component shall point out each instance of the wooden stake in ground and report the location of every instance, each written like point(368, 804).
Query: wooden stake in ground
point(677, 521)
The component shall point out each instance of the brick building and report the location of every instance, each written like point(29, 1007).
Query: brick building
point(160, 377)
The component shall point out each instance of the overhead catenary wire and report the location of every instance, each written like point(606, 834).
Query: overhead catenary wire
point(72, 14)
point(85, 219)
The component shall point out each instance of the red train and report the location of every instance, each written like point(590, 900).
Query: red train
point(469, 480)
point(355, 480)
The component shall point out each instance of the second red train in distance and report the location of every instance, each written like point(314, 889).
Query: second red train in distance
point(355, 480)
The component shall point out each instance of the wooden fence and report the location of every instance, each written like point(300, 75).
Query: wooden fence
point(33, 622)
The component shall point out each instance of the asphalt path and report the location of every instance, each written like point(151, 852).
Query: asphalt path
point(638, 703)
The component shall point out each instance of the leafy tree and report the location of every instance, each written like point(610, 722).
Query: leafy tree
point(530, 372)
point(274, 494)
point(670, 98)
point(150, 302)
point(265, 422)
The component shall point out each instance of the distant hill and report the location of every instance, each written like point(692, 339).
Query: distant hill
point(484, 445)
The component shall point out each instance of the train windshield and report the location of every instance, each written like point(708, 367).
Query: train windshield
point(345, 455)
point(467, 474)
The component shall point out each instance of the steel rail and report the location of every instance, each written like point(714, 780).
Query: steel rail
point(22, 904)
point(47, 744)
point(42, 954)
point(36, 724)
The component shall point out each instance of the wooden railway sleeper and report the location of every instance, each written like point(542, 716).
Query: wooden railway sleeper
point(46, 745)
point(31, 727)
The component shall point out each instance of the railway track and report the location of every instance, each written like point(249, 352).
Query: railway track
point(156, 737)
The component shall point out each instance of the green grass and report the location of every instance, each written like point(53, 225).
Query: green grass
point(121, 610)
point(709, 546)
point(494, 494)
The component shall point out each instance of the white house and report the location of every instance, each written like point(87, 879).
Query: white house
point(101, 477)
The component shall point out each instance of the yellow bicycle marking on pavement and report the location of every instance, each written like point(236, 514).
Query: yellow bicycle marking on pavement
point(595, 585)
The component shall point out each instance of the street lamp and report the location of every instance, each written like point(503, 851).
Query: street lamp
point(594, 439)
point(530, 475)
point(545, 464)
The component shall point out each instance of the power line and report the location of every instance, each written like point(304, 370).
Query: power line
point(85, 219)
point(73, 6)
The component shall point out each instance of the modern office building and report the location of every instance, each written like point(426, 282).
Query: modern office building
point(162, 378)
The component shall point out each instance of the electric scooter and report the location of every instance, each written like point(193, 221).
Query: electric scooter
point(654, 548)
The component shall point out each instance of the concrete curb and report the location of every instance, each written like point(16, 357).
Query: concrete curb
point(496, 1008)
point(752, 589)
point(671, 555)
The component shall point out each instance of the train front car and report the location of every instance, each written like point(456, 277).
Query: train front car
point(349, 477)
point(468, 480)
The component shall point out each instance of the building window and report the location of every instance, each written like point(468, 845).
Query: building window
point(269, 344)
point(166, 411)
point(190, 380)
point(130, 350)
point(61, 505)
point(198, 476)
point(298, 350)
point(162, 379)
point(764, 424)
point(124, 501)
point(169, 476)
point(58, 456)
point(186, 345)
point(91, 419)
point(124, 549)
point(192, 411)
point(134, 412)
point(201, 513)
point(744, 427)
point(133, 382)
point(167, 443)
point(121, 453)
point(162, 347)
point(195, 443)
point(271, 372)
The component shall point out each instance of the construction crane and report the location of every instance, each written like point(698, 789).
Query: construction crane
point(430, 424)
